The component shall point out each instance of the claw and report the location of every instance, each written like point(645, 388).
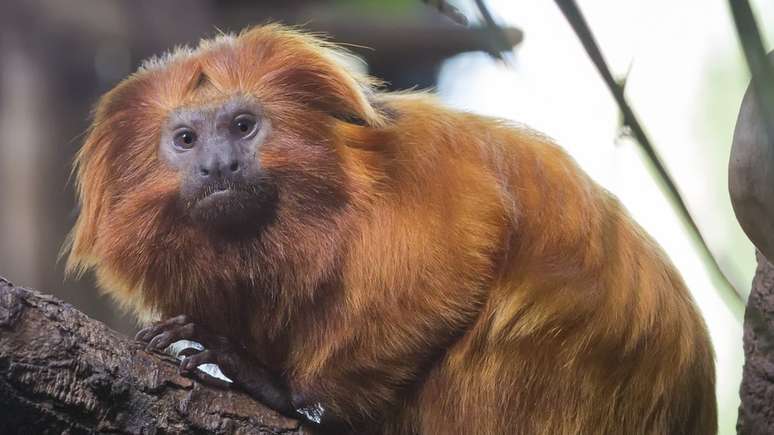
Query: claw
point(160, 341)
point(187, 352)
point(142, 333)
point(204, 357)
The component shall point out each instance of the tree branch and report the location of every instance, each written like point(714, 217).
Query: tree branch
point(756, 392)
point(578, 23)
point(62, 372)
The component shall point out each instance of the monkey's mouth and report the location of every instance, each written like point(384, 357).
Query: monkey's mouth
point(213, 198)
point(233, 207)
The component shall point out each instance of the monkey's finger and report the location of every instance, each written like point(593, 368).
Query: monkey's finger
point(210, 380)
point(142, 333)
point(192, 362)
point(188, 351)
point(163, 340)
point(146, 334)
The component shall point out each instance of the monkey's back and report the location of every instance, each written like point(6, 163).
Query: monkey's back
point(585, 326)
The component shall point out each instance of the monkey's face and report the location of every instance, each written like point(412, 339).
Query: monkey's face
point(257, 134)
point(215, 151)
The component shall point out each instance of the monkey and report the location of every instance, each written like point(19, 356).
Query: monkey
point(395, 265)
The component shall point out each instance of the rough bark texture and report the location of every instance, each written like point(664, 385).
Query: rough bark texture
point(62, 372)
point(756, 412)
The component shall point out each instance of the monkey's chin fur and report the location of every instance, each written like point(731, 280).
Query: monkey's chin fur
point(234, 211)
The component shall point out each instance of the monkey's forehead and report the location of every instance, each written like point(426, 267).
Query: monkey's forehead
point(284, 40)
point(216, 70)
point(274, 63)
point(181, 52)
point(233, 62)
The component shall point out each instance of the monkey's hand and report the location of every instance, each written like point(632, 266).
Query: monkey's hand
point(233, 360)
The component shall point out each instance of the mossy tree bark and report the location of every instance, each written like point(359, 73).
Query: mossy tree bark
point(62, 372)
point(756, 412)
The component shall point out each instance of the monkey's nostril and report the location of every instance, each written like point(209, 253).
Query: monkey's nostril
point(204, 172)
point(234, 166)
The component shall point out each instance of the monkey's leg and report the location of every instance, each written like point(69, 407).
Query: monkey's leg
point(234, 361)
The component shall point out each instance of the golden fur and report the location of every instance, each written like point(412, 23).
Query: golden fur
point(428, 271)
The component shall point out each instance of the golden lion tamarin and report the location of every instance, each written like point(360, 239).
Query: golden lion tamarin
point(398, 266)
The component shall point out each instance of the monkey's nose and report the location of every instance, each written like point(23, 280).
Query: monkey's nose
point(219, 165)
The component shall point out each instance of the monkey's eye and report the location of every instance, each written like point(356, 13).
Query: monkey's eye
point(243, 125)
point(185, 139)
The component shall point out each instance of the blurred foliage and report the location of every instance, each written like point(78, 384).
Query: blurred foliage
point(395, 7)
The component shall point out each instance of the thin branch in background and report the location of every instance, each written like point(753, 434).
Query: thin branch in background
point(574, 16)
point(449, 10)
point(499, 37)
point(630, 122)
point(760, 67)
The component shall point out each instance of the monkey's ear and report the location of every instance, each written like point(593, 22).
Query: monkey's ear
point(340, 93)
point(351, 93)
point(316, 71)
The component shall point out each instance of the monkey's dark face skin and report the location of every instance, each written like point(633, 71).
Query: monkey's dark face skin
point(215, 151)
